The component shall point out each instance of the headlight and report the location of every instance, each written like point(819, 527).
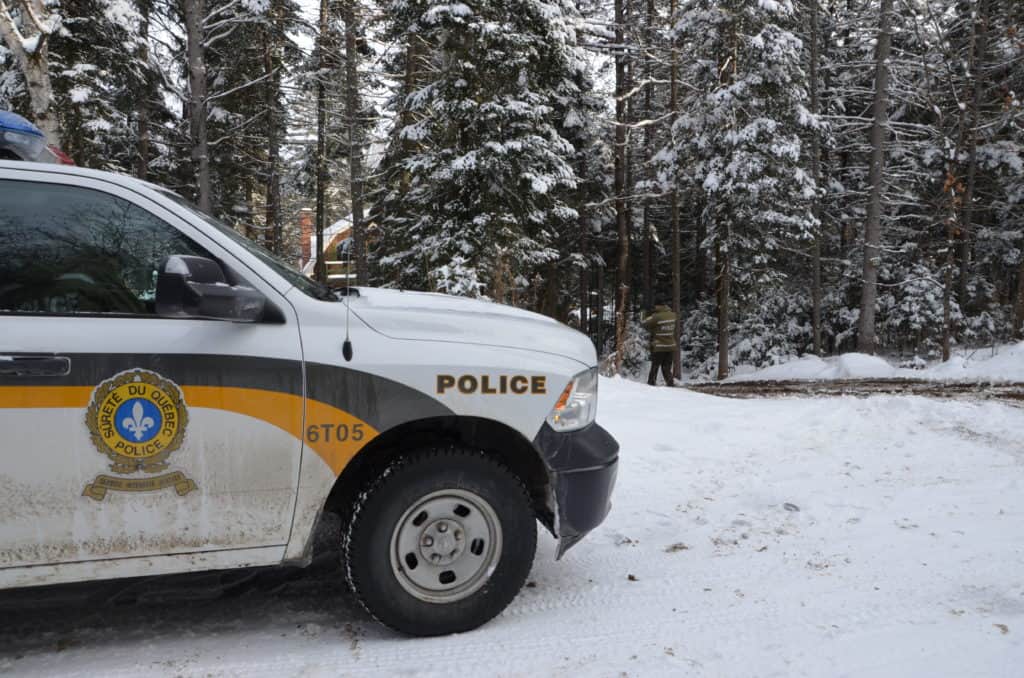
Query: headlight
point(577, 406)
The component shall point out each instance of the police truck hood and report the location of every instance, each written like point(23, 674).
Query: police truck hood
point(422, 316)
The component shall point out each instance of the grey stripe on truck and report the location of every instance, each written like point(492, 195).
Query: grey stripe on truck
point(380, 402)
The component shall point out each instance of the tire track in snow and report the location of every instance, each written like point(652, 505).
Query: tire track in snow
point(474, 653)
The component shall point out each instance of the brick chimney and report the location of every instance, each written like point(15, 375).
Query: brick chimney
point(306, 230)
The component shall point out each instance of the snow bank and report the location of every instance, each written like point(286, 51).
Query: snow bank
point(1003, 364)
point(810, 367)
point(861, 366)
point(953, 370)
point(1006, 365)
point(807, 367)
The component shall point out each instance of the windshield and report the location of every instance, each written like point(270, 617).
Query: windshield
point(306, 285)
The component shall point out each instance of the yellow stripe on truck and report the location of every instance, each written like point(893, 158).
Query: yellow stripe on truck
point(283, 410)
point(45, 396)
point(334, 435)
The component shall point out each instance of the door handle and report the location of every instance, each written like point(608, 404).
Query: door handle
point(34, 366)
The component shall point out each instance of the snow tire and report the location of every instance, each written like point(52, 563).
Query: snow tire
point(368, 541)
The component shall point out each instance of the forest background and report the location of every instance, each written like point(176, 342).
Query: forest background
point(792, 176)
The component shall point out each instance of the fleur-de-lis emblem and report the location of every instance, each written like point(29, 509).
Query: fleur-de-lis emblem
point(137, 423)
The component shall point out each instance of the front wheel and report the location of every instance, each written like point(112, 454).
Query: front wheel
point(441, 542)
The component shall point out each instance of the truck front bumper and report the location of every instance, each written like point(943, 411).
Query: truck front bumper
point(582, 466)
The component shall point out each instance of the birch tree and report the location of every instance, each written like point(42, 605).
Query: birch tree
point(27, 28)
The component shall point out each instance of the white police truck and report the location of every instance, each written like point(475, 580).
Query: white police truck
point(173, 398)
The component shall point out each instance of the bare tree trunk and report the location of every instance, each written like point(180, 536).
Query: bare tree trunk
point(585, 274)
point(409, 81)
point(40, 21)
point(551, 291)
point(275, 123)
point(723, 276)
point(954, 228)
point(866, 342)
point(498, 287)
point(947, 291)
point(1018, 313)
point(648, 262)
point(251, 231)
point(143, 102)
point(320, 267)
point(634, 289)
point(355, 138)
point(621, 217)
point(723, 239)
point(650, 272)
point(677, 366)
point(700, 258)
point(979, 45)
point(600, 307)
point(195, 11)
point(816, 175)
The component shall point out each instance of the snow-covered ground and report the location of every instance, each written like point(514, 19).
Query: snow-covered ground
point(881, 536)
point(987, 365)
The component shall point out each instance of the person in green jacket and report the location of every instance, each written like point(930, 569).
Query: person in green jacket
point(662, 326)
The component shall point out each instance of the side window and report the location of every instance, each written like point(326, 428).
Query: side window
point(65, 249)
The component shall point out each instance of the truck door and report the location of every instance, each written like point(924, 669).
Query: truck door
point(122, 433)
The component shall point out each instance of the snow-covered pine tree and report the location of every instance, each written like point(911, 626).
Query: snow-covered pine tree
point(358, 118)
point(906, 204)
point(908, 210)
point(578, 111)
point(994, 253)
point(235, 77)
point(108, 86)
point(333, 110)
point(846, 87)
point(95, 87)
point(482, 82)
point(738, 137)
point(866, 342)
point(476, 204)
point(1009, 50)
point(817, 139)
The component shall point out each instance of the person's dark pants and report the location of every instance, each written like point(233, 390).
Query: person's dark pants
point(663, 361)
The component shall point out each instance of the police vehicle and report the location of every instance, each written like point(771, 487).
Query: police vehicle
point(173, 398)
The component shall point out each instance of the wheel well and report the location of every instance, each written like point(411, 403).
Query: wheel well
point(493, 438)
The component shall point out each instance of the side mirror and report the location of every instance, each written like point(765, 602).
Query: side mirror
point(196, 287)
